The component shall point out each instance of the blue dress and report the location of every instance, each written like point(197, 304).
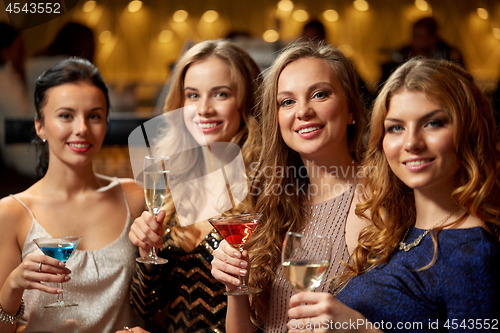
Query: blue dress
point(460, 292)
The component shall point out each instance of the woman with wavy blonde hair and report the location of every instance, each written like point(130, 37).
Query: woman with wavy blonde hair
point(429, 259)
point(219, 78)
point(312, 117)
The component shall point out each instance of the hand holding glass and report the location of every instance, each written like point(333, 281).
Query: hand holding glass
point(59, 248)
point(236, 230)
point(155, 172)
point(305, 260)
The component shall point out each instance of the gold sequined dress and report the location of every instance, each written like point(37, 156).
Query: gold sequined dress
point(183, 290)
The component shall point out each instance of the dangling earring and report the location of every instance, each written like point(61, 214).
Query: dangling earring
point(353, 122)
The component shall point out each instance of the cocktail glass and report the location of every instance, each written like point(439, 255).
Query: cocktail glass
point(59, 248)
point(236, 230)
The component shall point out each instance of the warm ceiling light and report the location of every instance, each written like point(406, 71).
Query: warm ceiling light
point(300, 15)
point(210, 16)
point(285, 5)
point(361, 5)
point(105, 36)
point(271, 36)
point(134, 6)
point(89, 6)
point(180, 16)
point(331, 15)
point(165, 36)
point(482, 13)
point(421, 5)
point(496, 33)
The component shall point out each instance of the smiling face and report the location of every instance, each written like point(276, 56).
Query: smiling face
point(312, 109)
point(209, 87)
point(74, 122)
point(418, 142)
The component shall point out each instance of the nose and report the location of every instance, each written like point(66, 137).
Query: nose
point(305, 111)
point(81, 126)
point(205, 107)
point(414, 141)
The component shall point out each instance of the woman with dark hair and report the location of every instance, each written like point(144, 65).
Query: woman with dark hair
point(312, 117)
point(72, 106)
point(429, 258)
point(219, 78)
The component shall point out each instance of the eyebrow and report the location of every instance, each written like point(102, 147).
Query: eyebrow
point(311, 88)
point(428, 115)
point(212, 89)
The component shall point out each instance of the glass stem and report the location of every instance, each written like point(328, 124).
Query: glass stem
point(60, 298)
point(243, 285)
point(152, 251)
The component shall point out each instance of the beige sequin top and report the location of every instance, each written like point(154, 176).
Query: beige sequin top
point(327, 219)
point(100, 283)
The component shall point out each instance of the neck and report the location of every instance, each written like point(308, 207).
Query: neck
point(330, 176)
point(70, 180)
point(432, 206)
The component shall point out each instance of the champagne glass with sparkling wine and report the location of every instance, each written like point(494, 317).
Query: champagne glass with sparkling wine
point(236, 230)
point(59, 248)
point(305, 260)
point(155, 172)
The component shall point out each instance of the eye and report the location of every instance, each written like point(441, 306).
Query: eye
point(95, 117)
point(394, 129)
point(192, 95)
point(65, 116)
point(320, 95)
point(221, 94)
point(286, 102)
point(435, 123)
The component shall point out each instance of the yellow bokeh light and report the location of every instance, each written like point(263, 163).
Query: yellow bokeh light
point(89, 6)
point(105, 36)
point(271, 36)
point(482, 13)
point(210, 16)
point(180, 16)
point(421, 5)
point(331, 15)
point(285, 5)
point(346, 50)
point(300, 15)
point(134, 6)
point(165, 36)
point(361, 5)
point(496, 33)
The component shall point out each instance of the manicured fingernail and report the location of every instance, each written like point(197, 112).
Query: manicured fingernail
point(237, 255)
point(243, 264)
point(67, 278)
point(243, 272)
point(59, 291)
point(61, 264)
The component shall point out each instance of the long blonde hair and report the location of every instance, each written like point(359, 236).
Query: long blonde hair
point(390, 202)
point(245, 77)
point(282, 213)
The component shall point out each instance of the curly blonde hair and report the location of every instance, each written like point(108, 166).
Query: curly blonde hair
point(389, 201)
point(289, 212)
point(245, 78)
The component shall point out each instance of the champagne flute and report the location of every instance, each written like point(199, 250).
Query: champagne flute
point(305, 260)
point(236, 230)
point(59, 248)
point(155, 172)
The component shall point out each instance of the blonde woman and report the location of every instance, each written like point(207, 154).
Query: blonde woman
point(429, 259)
point(220, 79)
point(312, 117)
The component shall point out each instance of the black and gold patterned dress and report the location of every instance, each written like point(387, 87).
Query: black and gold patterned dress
point(183, 290)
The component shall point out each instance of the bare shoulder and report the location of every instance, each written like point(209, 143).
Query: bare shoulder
point(13, 214)
point(135, 196)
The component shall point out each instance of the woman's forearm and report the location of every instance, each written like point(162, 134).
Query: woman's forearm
point(238, 315)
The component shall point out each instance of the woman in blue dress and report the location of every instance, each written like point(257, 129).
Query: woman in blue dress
point(429, 259)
